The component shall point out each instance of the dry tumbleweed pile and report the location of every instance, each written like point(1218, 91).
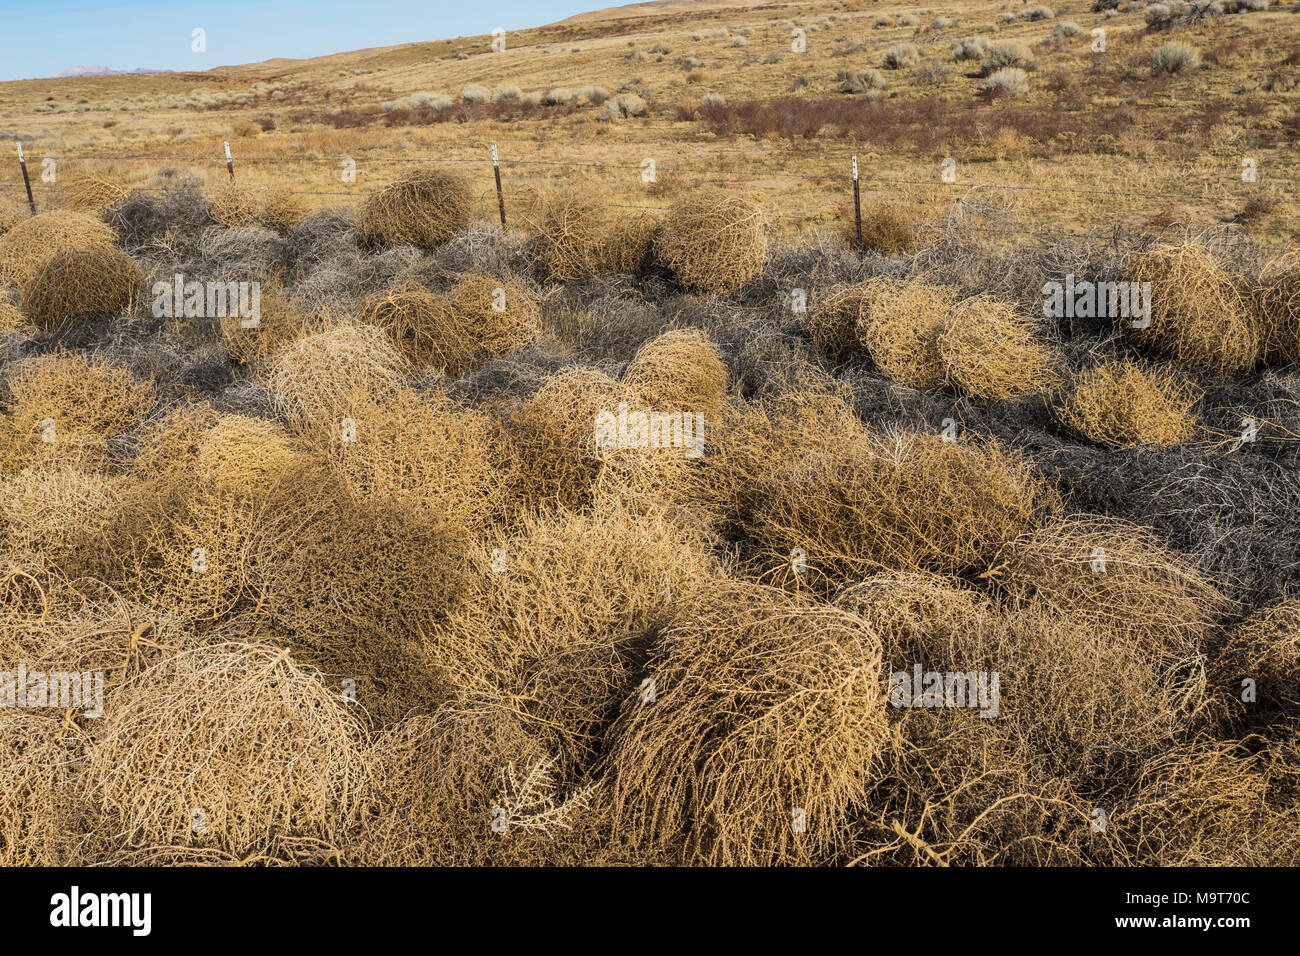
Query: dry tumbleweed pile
point(574, 545)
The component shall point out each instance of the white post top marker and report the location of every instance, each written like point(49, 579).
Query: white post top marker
point(494, 155)
point(227, 145)
point(855, 169)
point(20, 152)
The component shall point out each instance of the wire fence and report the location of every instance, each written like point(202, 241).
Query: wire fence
point(515, 173)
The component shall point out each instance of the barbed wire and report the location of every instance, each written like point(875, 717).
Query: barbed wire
point(720, 175)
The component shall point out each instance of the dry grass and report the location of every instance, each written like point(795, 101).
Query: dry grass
point(236, 203)
point(1279, 306)
point(1117, 576)
point(680, 370)
point(990, 351)
point(78, 282)
point(52, 508)
point(516, 685)
point(414, 317)
point(242, 455)
point(832, 322)
point(91, 194)
point(629, 245)
point(226, 747)
point(552, 441)
point(494, 315)
point(481, 316)
point(25, 247)
point(279, 323)
point(1128, 403)
point(39, 757)
point(315, 380)
point(542, 631)
point(572, 237)
point(715, 242)
point(763, 706)
point(1266, 649)
point(12, 321)
point(354, 587)
point(425, 208)
point(422, 453)
point(64, 403)
point(900, 324)
point(441, 780)
point(10, 215)
point(903, 501)
point(1198, 315)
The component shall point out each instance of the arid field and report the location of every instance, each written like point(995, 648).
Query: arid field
point(681, 520)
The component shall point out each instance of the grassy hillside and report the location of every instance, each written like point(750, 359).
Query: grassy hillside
point(727, 99)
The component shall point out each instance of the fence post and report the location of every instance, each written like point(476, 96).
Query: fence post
point(501, 199)
point(857, 204)
point(22, 162)
point(230, 163)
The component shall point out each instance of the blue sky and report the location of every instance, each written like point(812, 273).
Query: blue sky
point(42, 37)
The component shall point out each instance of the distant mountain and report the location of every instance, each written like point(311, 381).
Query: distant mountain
point(649, 8)
point(100, 71)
